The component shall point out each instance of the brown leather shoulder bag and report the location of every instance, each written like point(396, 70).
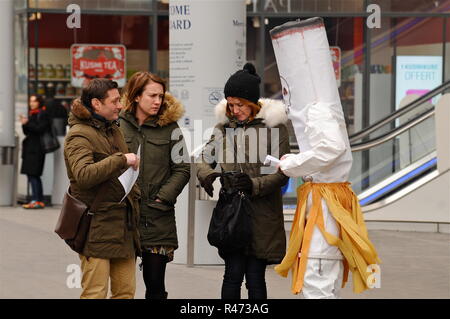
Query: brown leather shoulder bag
point(75, 219)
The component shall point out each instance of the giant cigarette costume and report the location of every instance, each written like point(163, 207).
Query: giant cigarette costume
point(328, 231)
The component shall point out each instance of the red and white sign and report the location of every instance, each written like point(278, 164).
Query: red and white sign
point(336, 59)
point(90, 61)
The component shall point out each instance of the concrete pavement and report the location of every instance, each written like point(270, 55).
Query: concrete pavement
point(35, 263)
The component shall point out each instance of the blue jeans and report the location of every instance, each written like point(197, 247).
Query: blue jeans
point(37, 193)
point(254, 269)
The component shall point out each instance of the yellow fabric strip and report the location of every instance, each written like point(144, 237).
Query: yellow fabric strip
point(353, 240)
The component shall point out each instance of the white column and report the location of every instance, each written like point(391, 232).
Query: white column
point(207, 45)
point(7, 73)
point(6, 98)
point(442, 117)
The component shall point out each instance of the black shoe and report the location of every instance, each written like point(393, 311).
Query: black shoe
point(156, 296)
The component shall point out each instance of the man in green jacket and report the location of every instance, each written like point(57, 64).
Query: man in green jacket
point(96, 154)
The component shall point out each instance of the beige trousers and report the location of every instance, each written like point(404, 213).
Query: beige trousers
point(96, 275)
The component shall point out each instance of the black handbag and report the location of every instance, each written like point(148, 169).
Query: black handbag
point(49, 141)
point(230, 228)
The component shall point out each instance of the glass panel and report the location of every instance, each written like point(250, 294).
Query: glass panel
point(163, 48)
point(21, 64)
point(163, 5)
point(292, 6)
point(420, 38)
point(94, 4)
point(393, 156)
point(251, 5)
point(272, 85)
point(413, 5)
point(346, 34)
point(54, 59)
point(253, 43)
point(20, 4)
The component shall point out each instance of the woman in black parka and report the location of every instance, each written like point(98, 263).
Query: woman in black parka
point(33, 155)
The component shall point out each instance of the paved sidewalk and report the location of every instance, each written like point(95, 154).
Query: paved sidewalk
point(34, 262)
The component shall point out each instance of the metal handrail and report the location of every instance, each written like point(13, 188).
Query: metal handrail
point(367, 131)
point(392, 134)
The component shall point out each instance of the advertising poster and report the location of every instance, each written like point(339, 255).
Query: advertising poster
point(205, 49)
point(90, 61)
point(417, 75)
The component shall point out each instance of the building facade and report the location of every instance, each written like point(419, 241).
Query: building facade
point(369, 37)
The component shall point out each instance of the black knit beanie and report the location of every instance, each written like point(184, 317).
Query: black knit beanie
point(244, 84)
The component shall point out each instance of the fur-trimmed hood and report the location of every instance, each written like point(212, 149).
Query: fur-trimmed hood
point(171, 111)
point(79, 111)
point(272, 112)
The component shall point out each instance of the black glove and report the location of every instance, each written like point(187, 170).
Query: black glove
point(207, 183)
point(243, 182)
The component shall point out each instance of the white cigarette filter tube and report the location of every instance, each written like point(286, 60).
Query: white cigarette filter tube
point(312, 101)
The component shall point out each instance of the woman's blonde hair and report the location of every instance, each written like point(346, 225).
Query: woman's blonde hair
point(136, 85)
point(255, 108)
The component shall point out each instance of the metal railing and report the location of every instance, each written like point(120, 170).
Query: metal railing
point(393, 116)
point(392, 134)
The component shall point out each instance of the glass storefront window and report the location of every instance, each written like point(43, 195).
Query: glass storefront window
point(253, 43)
point(21, 63)
point(272, 85)
point(301, 6)
point(421, 40)
point(416, 37)
point(93, 4)
point(162, 68)
point(400, 71)
point(20, 4)
point(413, 5)
point(50, 71)
point(163, 5)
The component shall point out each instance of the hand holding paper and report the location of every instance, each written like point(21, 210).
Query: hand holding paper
point(130, 176)
point(272, 161)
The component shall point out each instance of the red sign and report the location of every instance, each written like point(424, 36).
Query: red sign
point(336, 59)
point(90, 61)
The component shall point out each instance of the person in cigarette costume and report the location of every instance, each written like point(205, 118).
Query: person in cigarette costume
point(328, 237)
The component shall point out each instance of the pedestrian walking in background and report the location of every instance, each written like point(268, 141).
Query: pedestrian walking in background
point(243, 112)
point(95, 154)
point(149, 120)
point(33, 154)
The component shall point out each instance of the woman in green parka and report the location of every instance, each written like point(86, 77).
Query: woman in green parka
point(248, 129)
point(148, 120)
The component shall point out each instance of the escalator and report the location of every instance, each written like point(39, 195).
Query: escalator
point(396, 155)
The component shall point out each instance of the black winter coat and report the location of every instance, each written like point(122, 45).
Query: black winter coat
point(33, 155)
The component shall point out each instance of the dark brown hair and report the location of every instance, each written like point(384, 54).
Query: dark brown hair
point(39, 99)
point(255, 108)
point(136, 85)
point(97, 89)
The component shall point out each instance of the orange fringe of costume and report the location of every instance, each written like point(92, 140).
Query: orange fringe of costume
point(353, 242)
